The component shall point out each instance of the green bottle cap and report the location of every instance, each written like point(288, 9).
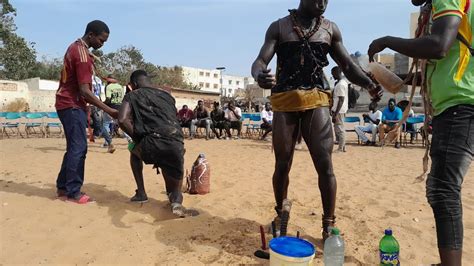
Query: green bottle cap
point(335, 231)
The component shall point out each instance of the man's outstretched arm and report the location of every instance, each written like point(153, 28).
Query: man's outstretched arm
point(433, 46)
point(352, 71)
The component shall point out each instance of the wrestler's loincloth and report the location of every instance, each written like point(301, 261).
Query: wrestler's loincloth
point(300, 100)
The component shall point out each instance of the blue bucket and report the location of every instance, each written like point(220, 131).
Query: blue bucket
point(291, 251)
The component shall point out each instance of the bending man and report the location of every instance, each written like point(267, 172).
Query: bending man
point(148, 115)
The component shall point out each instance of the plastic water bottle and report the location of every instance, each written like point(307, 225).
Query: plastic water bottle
point(389, 249)
point(334, 249)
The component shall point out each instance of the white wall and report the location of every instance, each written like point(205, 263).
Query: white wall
point(11, 91)
point(39, 94)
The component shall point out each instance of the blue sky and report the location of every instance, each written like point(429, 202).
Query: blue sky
point(198, 33)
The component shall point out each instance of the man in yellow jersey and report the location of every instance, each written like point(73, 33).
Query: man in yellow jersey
point(450, 79)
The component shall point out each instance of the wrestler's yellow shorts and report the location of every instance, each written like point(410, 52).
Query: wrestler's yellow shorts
point(300, 100)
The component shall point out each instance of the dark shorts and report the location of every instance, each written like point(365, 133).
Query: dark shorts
point(266, 126)
point(220, 124)
point(166, 154)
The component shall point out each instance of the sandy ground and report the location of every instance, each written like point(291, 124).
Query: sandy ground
point(376, 190)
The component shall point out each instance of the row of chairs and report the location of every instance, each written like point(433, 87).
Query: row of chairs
point(252, 122)
point(11, 122)
point(415, 120)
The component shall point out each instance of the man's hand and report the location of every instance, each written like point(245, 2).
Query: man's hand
point(113, 113)
point(377, 46)
point(334, 118)
point(364, 115)
point(376, 92)
point(265, 79)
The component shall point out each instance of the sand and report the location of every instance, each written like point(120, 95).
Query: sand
point(376, 190)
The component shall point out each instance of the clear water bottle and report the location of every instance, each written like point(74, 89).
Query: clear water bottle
point(389, 249)
point(334, 249)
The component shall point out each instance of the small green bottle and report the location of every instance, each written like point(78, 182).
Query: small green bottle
point(389, 249)
point(131, 146)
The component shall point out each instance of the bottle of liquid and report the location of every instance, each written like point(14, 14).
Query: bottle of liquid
point(389, 249)
point(334, 249)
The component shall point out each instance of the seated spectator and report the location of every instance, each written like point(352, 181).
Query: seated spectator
point(233, 115)
point(267, 118)
point(201, 118)
point(411, 127)
point(185, 116)
point(391, 116)
point(219, 122)
point(374, 118)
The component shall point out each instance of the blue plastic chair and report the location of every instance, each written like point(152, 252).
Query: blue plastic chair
point(34, 120)
point(255, 123)
point(11, 124)
point(413, 130)
point(49, 125)
point(352, 119)
point(246, 122)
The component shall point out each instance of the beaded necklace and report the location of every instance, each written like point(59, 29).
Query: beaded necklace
point(300, 31)
point(315, 25)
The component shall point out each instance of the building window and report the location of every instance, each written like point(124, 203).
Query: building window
point(216, 75)
point(201, 73)
point(230, 91)
point(230, 82)
point(208, 74)
point(201, 84)
point(237, 82)
point(216, 86)
point(207, 85)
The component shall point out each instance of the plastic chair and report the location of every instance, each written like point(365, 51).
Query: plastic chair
point(246, 123)
point(10, 117)
point(414, 130)
point(352, 119)
point(34, 120)
point(255, 123)
point(53, 116)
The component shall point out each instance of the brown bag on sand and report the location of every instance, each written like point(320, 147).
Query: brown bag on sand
point(199, 181)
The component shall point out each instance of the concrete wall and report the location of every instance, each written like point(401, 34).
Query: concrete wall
point(190, 98)
point(11, 91)
point(39, 94)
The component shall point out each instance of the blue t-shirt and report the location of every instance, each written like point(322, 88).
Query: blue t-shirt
point(395, 115)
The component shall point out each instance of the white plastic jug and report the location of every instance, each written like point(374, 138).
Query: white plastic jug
point(291, 251)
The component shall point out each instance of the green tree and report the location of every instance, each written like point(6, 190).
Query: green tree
point(49, 69)
point(17, 56)
point(126, 59)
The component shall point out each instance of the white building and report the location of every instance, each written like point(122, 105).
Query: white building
point(210, 80)
point(205, 79)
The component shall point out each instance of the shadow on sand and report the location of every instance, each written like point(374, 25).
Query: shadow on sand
point(236, 236)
